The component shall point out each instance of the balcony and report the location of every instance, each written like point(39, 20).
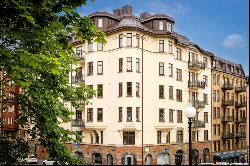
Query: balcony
point(240, 120)
point(77, 123)
point(196, 65)
point(240, 104)
point(80, 54)
point(240, 89)
point(226, 103)
point(196, 84)
point(198, 124)
point(227, 135)
point(78, 79)
point(226, 119)
point(240, 135)
point(198, 104)
point(227, 86)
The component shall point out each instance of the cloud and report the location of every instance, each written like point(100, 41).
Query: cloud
point(234, 41)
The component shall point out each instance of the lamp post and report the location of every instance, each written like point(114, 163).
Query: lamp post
point(190, 113)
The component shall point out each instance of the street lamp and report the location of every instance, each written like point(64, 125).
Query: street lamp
point(190, 113)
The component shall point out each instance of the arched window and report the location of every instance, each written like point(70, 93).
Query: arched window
point(128, 159)
point(79, 154)
point(148, 159)
point(178, 157)
point(109, 159)
point(206, 155)
point(97, 158)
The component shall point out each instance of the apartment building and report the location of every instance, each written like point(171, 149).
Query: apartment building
point(146, 75)
point(229, 111)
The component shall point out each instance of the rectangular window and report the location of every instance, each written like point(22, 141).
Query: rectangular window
point(99, 23)
point(90, 96)
point(137, 89)
point(214, 112)
point(214, 95)
point(120, 114)
point(158, 137)
point(78, 114)
point(120, 64)
point(171, 93)
point(90, 114)
point(120, 40)
point(101, 137)
point(205, 98)
point(168, 137)
point(129, 114)
point(137, 40)
point(218, 126)
point(169, 27)
point(193, 136)
point(120, 89)
point(99, 114)
point(215, 146)
point(179, 138)
point(214, 128)
point(137, 114)
point(170, 47)
point(99, 91)
point(129, 39)
point(218, 112)
point(160, 25)
point(128, 138)
point(137, 65)
point(206, 117)
point(161, 91)
point(179, 95)
point(214, 79)
point(161, 115)
point(129, 88)
point(218, 96)
point(161, 45)
point(171, 115)
point(205, 135)
point(205, 79)
point(99, 67)
point(91, 47)
point(205, 61)
point(161, 68)
point(129, 64)
point(178, 54)
point(90, 68)
point(179, 116)
point(99, 47)
point(179, 74)
point(170, 70)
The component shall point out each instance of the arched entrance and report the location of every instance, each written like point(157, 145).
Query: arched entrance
point(162, 159)
point(128, 159)
point(148, 159)
point(206, 158)
point(79, 154)
point(178, 157)
point(195, 157)
point(109, 159)
point(96, 158)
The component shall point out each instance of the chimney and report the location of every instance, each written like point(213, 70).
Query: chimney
point(144, 15)
point(127, 10)
point(117, 12)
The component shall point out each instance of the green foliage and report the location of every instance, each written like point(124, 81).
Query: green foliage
point(36, 54)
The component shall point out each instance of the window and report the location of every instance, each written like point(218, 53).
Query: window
point(171, 93)
point(169, 27)
point(168, 137)
point(129, 114)
point(178, 54)
point(128, 138)
point(129, 39)
point(206, 117)
point(160, 25)
point(137, 65)
point(193, 136)
point(90, 114)
point(214, 95)
point(179, 138)
point(218, 145)
point(218, 126)
point(205, 98)
point(161, 45)
point(215, 146)
point(178, 95)
point(99, 114)
point(137, 40)
point(170, 70)
point(179, 74)
point(158, 137)
point(79, 136)
point(218, 96)
point(214, 128)
point(91, 47)
point(205, 135)
point(120, 114)
point(90, 96)
point(137, 89)
point(205, 79)
point(161, 68)
point(100, 23)
point(99, 91)
point(129, 88)
point(90, 68)
point(129, 63)
point(137, 114)
point(161, 91)
point(120, 64)
point(171, 115)
point(161, 115)
point(101, 137)
point(214, 79)
point(218, 112)
point(179, 116)
point(205, 61)
point(99, 67)
point(170, 47)
point(120, 89)
point(214, 112)
point(99, 47)
point(78, 114)
point(120, 40)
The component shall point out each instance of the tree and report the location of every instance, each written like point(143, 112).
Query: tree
point(36, 54)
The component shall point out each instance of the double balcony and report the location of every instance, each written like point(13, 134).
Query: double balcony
point(77, 123)
point(226, 103)
point(196, 65)
point(240, 104)
point(226, 119)
point(227, 135)
point(78, 79)
point(196, 84)
point(198, 124)
point(240, 89)
point(240, 120)
point(198, 104)
point(240, 135)
point(227, 86)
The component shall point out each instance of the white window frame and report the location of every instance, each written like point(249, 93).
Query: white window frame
point(100, 23)
point(161, 25)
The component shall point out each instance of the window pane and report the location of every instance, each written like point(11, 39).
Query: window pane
point(161, 46)
point(120, 64)
point(99, 23)
point(137, 65)
point(160, 25)
point(100, 67)
point(129, 39)
point(161, 68)
point(129, 88)
point(129, 63)
point(99, 90)
point(99, 114)
point(129, 114)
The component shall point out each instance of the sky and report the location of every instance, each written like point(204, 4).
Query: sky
point(218, 26)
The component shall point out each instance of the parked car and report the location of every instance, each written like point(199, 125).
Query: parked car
point(31, 159)
point(47, 162)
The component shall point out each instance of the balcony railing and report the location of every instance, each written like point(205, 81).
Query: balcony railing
point(227, 86)
point(198, 124)
point(77, 123)
point(227, 135)
point(240, 89)
point(240, 120)
point(196, 65)
point(240, 104)
point(226, 119)
point(196, 84)
point(240, 135)
point(78, 79)
point(226, 103)
point(198, 104)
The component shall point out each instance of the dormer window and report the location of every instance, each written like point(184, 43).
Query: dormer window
point(99, 23)
point(169, 27)
point(161, 25)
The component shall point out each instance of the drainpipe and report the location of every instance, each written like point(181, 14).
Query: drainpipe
point(142, 100)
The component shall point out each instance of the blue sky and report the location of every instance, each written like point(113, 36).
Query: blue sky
point(219, 26)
